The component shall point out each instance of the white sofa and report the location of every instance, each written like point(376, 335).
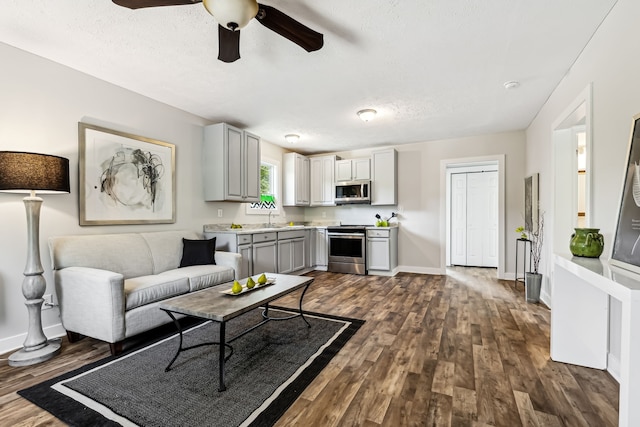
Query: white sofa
point(109, 286)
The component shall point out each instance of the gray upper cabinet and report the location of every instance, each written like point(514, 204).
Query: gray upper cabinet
point(322, 180)
point(353, 170)
point(384, 184)
point(231, 164)
point(295, 172)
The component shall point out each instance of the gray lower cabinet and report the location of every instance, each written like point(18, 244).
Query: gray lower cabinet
point(291, 251)
point(310, 248)
point(258, 250)
point(265, 257)
point(382, 251)
point(299, 258)
point(291, 255)
point(267, 252)
point(246, 264)
point(321, 246)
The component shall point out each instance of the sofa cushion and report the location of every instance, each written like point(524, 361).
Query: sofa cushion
point(198, 252)
point(127, 253)
point(166, 248)
point(144, 290)
point(203, 276)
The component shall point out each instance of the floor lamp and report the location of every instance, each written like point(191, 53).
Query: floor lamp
point(27, 173)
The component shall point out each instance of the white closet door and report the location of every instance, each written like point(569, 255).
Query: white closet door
point(476, 217)
point(458, 254)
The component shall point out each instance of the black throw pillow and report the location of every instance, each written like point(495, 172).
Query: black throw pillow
point(198, 252)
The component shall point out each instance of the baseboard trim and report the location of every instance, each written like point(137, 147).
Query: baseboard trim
point(509, 276)
point(421, 270)
point(613, 367)
point(383, 272)
point(15, 342)
point(545, 298)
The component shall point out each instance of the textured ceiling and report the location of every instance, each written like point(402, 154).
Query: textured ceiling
point(434, 69)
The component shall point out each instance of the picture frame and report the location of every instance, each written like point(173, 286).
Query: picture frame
point(531, 202)
point(626, 240)
point(125, 178)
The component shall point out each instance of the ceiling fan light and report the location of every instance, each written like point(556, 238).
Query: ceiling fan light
point(367, 114)
point(292, 138)
point(232, 14)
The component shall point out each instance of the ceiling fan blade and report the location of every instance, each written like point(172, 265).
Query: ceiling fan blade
point(138, 4)
point(228, 44)
point(289, 28)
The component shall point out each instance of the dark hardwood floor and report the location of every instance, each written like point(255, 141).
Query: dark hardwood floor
point(463, 349)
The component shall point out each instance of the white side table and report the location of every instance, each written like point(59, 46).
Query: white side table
point(580, 322)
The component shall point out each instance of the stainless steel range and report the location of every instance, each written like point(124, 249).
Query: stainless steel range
point(347, 249)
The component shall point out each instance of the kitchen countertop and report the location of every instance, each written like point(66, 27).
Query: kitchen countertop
point(250, 228)
point(390, 226)
point(262, 228)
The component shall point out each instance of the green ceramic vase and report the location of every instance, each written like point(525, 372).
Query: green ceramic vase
point(587, 242)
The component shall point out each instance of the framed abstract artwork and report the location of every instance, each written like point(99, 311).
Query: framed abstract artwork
point(626, 240)
point(531, 199)
point(125, 178)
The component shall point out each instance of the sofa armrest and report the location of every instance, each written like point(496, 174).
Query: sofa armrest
point(92, 302)
point(229, 259)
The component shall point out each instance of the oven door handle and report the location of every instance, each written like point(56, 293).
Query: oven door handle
point(347, 235)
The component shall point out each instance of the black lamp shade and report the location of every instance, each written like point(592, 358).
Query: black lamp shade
point(24, 172)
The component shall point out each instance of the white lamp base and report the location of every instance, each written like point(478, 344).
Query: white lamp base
point(26, 358)
point(36, 347)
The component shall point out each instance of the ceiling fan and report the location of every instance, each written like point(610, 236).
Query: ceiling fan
point(232, 15)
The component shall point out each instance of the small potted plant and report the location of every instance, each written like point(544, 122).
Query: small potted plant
point(533, 279)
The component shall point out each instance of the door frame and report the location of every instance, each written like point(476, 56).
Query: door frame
point(445, 200)
point(577, 115)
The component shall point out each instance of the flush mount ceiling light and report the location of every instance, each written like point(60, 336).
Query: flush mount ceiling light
point(511, 84)
point(292, 138)
point(366, 115)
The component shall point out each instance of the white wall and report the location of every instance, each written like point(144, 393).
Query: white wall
point(610, 64)
point(42, 103)
point(419, 206)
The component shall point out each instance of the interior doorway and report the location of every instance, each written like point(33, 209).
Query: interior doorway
point(572, 170)
point(489, 163)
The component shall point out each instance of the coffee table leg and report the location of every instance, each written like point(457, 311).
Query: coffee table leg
point(175, 322)
point(301, 313)
point(221, 386)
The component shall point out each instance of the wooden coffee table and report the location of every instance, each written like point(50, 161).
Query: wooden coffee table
point(213, 304)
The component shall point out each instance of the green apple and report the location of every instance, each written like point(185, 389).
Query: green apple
point(237, 287)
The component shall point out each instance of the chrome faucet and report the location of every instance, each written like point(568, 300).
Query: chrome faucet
point(270, 212)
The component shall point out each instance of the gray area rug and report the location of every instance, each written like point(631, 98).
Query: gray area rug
point(269, 368)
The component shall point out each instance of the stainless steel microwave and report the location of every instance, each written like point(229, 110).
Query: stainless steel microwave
point(353, 192)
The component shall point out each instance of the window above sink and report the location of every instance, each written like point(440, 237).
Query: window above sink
point(269, 190)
